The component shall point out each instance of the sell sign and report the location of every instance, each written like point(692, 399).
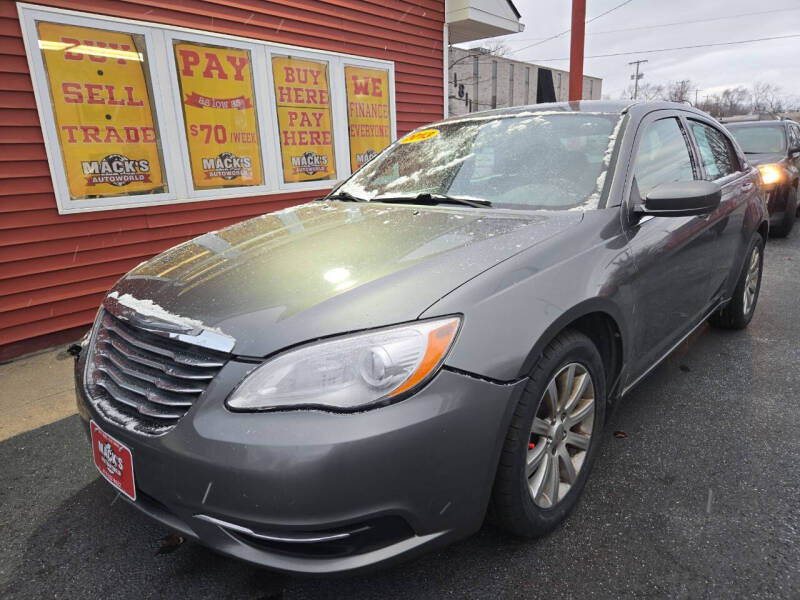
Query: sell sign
point(102, 109)
point(368, 115)
point(220, 116)
point(303, 102)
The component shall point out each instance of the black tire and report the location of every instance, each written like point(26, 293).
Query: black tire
point(733, 315)
point(512, 507)
point(789, 215)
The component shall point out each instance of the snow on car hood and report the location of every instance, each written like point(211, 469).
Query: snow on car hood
point(329, 267)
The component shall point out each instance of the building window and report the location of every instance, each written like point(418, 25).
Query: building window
point(135, 114)
point(591, 89)
point(494, 84)
point(511, 84)
point(527, 85)
point(475, 76)
point(305, 127)
point(219, 115)
point(368, 113)
point(103, 111)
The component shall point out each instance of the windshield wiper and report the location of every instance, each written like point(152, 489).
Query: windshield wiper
point(344, 197)
point(426, 198)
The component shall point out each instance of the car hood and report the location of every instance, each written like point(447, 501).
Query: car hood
point(327, 267)
point(765, 158)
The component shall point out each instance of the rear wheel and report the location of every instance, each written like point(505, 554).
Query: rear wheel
point(789, 214)
point(739, 310)
point(553, 438)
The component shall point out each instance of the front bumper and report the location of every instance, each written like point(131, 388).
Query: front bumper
point(396, 479)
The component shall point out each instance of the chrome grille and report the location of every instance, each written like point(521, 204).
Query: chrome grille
point(143, 379)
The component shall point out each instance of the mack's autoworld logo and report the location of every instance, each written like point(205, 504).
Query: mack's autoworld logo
point(363, 159)
point(310, 163)
point(116, 169)
point(111, 460)
point(228, 166)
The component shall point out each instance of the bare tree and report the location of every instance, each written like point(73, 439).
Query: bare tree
point(767, 98)
point(729, 102)
point(647, 92)
point(678, 91)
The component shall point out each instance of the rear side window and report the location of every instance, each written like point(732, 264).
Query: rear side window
point(794, 135)
point(716, 152)
point(760, 139)
point(663, 156)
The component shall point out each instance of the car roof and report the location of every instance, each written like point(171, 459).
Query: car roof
point(586, 106)
point(772, 123)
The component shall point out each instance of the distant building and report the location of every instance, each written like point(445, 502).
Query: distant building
point(479, 80)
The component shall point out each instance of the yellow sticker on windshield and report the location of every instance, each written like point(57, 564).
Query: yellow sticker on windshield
point(420, 136)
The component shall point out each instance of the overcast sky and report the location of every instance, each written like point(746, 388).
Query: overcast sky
point(710, 69)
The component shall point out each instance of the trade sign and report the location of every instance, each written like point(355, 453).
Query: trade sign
point(102, 109)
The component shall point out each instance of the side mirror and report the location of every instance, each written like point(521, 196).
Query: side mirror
point(681, 199)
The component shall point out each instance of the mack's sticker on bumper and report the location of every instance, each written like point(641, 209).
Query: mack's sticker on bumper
point(114, 461)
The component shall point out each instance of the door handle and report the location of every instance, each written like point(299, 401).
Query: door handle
point(746, 187)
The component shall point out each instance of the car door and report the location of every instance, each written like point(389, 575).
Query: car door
point(671, 254)
point(794, 157)
point(719, 162)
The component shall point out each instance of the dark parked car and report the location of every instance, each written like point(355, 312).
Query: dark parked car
point(356, 379)
point(774, 147)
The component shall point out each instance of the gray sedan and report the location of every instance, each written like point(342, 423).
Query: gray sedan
point(357, 379)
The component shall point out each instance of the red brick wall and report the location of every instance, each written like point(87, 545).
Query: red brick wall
point(54, 269)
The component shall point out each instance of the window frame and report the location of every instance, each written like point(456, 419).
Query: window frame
point(691, 149)
point(337, 104)
point(162, 70)
point(731, 148)
point(179, 123)
point(42, 94)
point(629, 203)
point(348, 61)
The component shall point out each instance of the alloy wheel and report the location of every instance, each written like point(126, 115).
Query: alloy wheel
point(751, 283)
point(560, 435)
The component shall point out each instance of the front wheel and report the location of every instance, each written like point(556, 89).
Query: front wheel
point(553, 438)
point(739, 310)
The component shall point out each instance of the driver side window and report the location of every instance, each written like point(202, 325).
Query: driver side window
point(663, 156)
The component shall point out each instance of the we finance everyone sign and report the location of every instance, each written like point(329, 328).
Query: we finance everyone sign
point(220, 117)
point(368, 113)
point(303, 102)
point(102, 109)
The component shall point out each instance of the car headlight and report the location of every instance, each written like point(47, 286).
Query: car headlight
point(770, 174)
point(349, 372)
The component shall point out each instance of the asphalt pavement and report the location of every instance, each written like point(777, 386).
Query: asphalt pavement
point(696, 495)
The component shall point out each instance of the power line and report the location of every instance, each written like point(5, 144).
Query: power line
point(566, 31)
point(661, 25)
point(750, 14)
point(777, 37)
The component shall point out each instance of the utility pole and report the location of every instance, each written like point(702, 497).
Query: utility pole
point(636, 77)
point(695, 96)
point(576, 50)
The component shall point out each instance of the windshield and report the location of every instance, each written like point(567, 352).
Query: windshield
point(760, 139)
point(532, 161)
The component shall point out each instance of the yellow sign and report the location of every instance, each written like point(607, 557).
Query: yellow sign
point(108, 136)
point(420, 136)
point(303, 100)
point(368, 113)
point(219, 111)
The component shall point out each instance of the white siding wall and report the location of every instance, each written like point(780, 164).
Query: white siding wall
point(478, 90)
